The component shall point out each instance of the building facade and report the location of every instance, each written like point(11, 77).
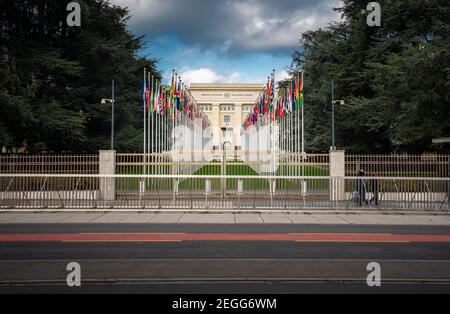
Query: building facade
point(226, 106)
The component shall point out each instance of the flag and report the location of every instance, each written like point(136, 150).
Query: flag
point(147, 98)
point(172, 90)
point(289, 99)
point(149, 95)
point(155, 98)
point(178, 95)
point(269, 96)
point(165, 104)
point(144, 98)
point(172, 97)
point(301, 90)
point(188, 103)
point(294, 96)
point(283, 105)
point(160, 100)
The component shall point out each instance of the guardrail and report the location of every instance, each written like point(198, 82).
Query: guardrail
point(158, 192)
point(49, 164)
point(428, 165)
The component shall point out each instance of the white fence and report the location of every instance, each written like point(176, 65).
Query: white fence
point(158, 192)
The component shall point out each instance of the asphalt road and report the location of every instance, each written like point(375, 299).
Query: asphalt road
point(326, 265)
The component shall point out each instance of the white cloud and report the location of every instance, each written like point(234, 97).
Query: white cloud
point(208, 75)
point(283, 75)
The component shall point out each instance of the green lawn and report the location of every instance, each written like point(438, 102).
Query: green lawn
point(232, 168)
point(241, 169)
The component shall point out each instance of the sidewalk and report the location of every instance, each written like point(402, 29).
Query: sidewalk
point(223, 218)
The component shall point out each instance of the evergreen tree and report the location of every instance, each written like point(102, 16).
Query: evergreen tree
point(52, 77)
point(394, 78)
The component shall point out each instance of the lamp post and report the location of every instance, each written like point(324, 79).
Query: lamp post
point(333, 127)
point(112, 101)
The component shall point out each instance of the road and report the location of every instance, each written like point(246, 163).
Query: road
point(146, 258)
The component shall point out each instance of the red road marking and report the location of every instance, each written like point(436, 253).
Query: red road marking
point(176, 237)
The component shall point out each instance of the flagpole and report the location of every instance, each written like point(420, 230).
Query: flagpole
point(145, 119)
point(175, 119)
point(272, 148)
point(159, 112)
point(302, 98)
point(291, 128)
point(298, 131)
point(172, 117)
point(159, 122)
point(303, 121)
point(158, 132)
point(150, 125)
point(155, 122)
point(166, 125)
point(283, 127)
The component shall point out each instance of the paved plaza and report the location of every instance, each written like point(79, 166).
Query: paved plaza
point(223, 218)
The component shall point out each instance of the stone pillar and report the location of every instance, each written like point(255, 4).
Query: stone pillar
point(237, 122)
point(337, 174)
point(223, 172)
point(240, 187)
point(107, 166)
point(208, 187)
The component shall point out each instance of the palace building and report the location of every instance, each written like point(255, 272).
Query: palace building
point(226, 106)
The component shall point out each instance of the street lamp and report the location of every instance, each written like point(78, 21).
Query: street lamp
point(333, 128)
point(112, 101)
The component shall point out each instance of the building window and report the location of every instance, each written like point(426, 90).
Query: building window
point(227, 119)
point(226, 108)
point(206, 108)
point(247, 108)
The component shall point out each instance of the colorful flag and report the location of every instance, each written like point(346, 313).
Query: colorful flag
point(147, 98)
point(144, 93)
point(149, 95)
point(297, 94)
point(301, 94)
point(155, 98)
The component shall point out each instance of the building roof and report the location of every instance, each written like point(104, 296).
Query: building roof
point(226, 86)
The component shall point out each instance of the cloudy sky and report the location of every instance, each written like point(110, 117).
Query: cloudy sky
point(212, 41)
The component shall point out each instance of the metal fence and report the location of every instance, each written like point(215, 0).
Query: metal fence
point(159, 192)
point(237, 163)
point(436, 166)
point(224, 163)
point(49, 164)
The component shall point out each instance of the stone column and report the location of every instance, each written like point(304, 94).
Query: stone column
point(337, 172)
point(107, 166)
point(237, 118)
point(215, 120)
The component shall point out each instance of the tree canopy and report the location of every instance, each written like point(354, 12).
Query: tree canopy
point(53, 77)
point(395, 79)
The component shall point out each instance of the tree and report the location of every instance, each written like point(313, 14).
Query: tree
point(52, 77)
point(394, 78)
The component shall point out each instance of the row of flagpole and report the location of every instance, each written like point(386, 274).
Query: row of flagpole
point(164, 108)
point(283, 106)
